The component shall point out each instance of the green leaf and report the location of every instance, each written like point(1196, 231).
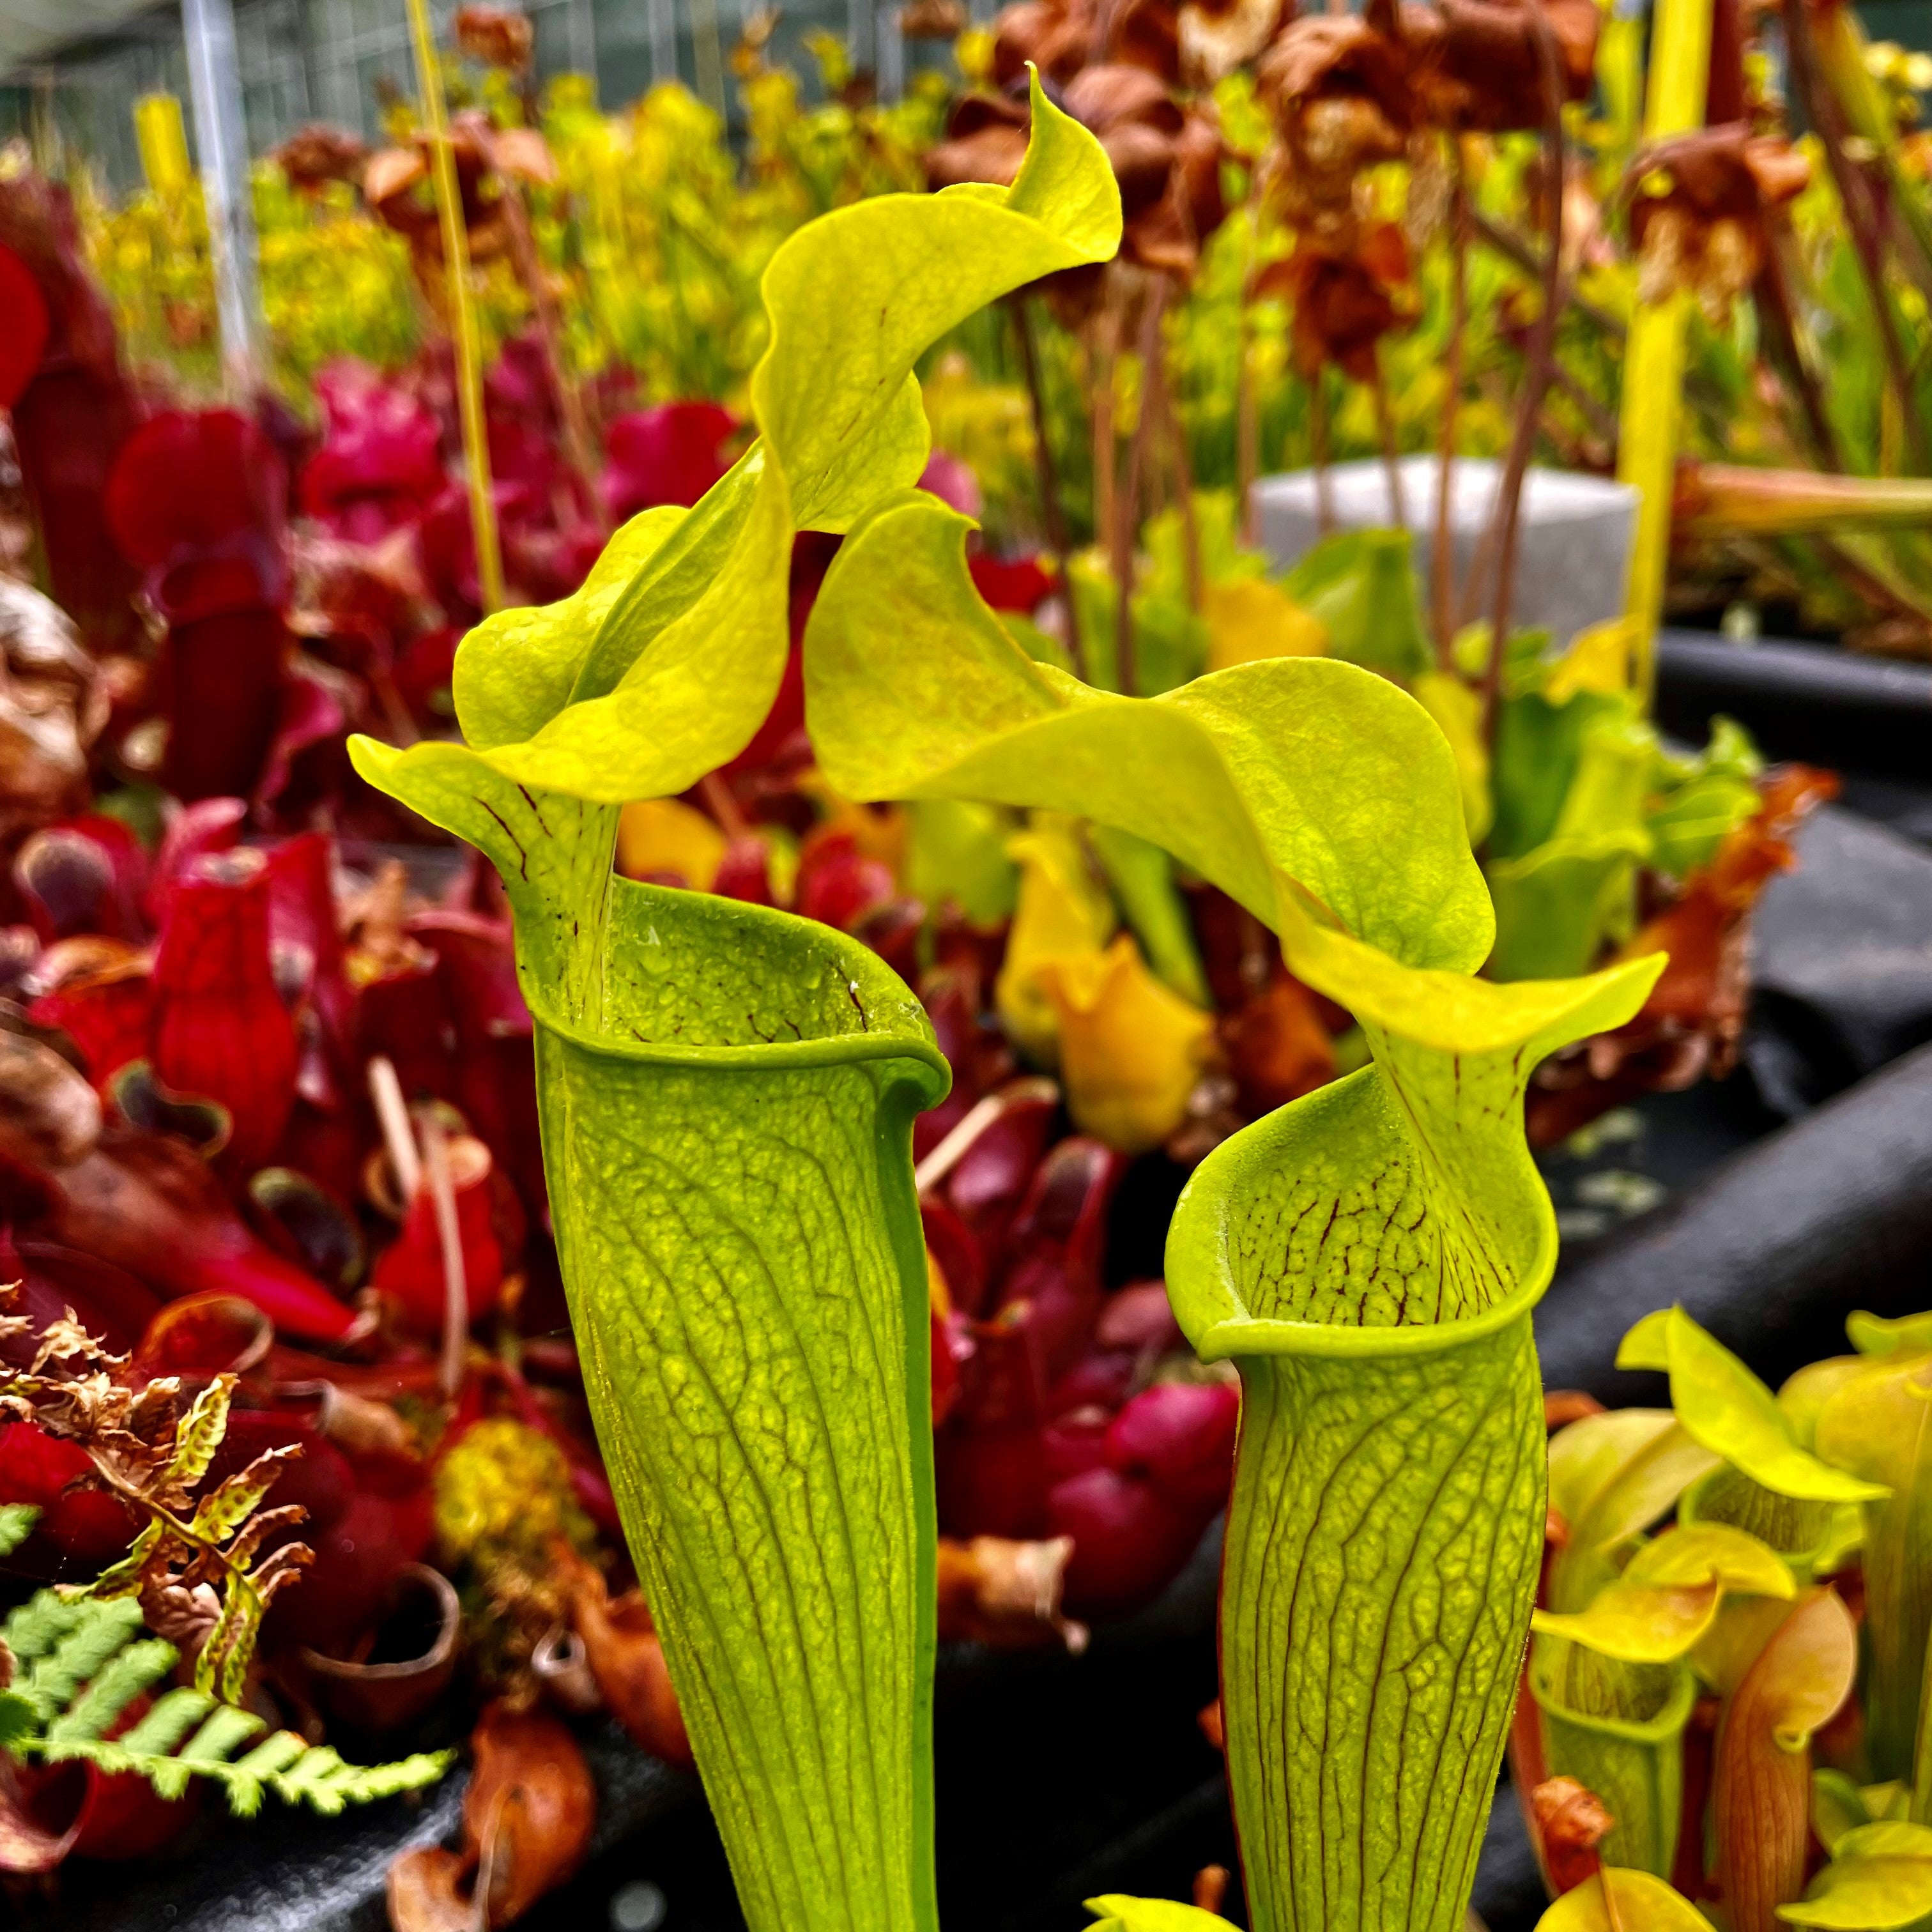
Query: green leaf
point(1303, 766)
point(1639, 1899)
point(1837, 1807)
point(1142, 878)
point(1903, 1335)
point(1611, 1477)
point(1558, 905)
point(113, 1688)
point(17, 1525)
point(198, 1433)
point(1723, 1406)
point(1539, 746)
point(518, 668)
point(34, 1629)
point(90, 1662)
point(1806, 1533)
point(1667, 1598)
point(51, 1681)
point(17, 1721)
point(1361, 585)
point(1803, 1394)
point(1118, 1912)
point(957, 851)
point(1879, 1878)
point(1705, 802)
point(225, 1507)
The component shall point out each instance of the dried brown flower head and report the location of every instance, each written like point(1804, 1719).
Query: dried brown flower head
point(1165, 156)
point(500, 36)
point(1706, 233)
point(319, 153)
point(933, 20)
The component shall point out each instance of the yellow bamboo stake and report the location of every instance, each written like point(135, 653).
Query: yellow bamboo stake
point(1653, 387)
point(162, 138)
point(462, 310)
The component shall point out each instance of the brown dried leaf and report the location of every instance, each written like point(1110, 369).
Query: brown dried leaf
point(49, 1116)
point(529, 1810)
point(1215, 40)
point(996, 1591)
point(626, 1658)
point(425, 1892)
point(1571, 1821)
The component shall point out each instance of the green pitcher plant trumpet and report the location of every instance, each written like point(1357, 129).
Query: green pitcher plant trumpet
point(727, 1093)
point(1368, 1256)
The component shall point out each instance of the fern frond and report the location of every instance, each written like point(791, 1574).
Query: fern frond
point(17, 1525)
point(113, 1688)
point(49, 1682)
point(16, 1720)
point(85, 1659)
point(37, 1625)
point(197, 1436)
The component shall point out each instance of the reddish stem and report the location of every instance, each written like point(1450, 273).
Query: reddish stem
point(1536, 377)
point(1442, 559)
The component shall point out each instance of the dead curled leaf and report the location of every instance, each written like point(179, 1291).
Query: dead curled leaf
point(1571, 1822)
point(49, 1116)
point(52, 706)
point(1690, 1026)
point(527, 1819)
point(27, 1844)
point(993, 1589)
point(626, 1658)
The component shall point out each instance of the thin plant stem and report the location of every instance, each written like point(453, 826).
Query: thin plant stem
point(1247, 410)
point(462, 312)
point(449, 1237)
point(392, 1115)
point(1821, 109)
point(1654, 385)
point(1182, 459)
point(1318, 453)
point(1726, 97)
point(1593, 411)
point(1028, 1090)
point(1052, 514)
point(1442, 550)
point(1103, 353)
point(1385, 431)
point(580, 452)
point(722, 805)
point(1536, 375)
point(1512, 247)
point(1777, 321)
point(1127, 507)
